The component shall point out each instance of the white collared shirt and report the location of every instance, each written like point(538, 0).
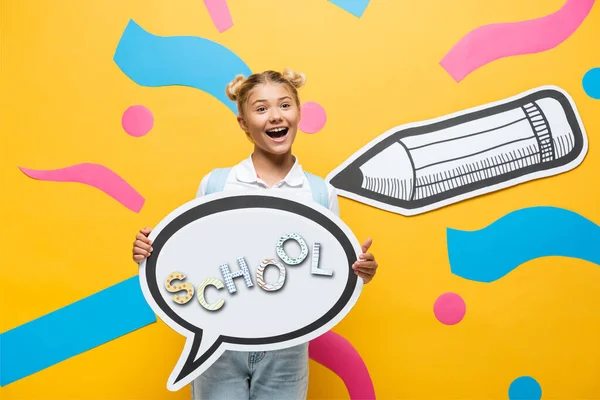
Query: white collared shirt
point(243, 178)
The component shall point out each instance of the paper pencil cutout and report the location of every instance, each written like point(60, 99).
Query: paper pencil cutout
point(422, 166)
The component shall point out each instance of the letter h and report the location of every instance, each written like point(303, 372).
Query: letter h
point(228, 276)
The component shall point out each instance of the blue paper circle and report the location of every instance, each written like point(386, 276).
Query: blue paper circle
point(525, 388)
point(591, 83)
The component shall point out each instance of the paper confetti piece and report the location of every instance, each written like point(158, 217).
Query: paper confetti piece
point(73, 329)
point(219, 13)
point(95, 175)
point(354, 7)
point(491, 42)
point(492, 252)
point(338, 355)
point(151, 60)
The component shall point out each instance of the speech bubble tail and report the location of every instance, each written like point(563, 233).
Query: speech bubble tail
point(209, 340)
point(199, 352)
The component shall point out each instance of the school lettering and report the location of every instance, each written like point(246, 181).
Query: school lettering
point(244, 272)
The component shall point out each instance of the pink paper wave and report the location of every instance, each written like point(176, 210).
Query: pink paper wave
point(95, 175)
point(491, 42)
point(219, 13)
point(338, 355)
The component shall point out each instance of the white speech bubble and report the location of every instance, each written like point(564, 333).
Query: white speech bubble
point(196, 239)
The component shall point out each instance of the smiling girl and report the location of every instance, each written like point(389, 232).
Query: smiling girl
point(269, 113)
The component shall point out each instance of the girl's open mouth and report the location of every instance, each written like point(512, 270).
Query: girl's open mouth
point(277, 133)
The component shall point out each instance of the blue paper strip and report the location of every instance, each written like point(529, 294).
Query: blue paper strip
point(151, 60)
point(74, 329)
point(490, 253)
point(355, 7)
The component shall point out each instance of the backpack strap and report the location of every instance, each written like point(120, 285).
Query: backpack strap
point(216, 180)
point(318, 188)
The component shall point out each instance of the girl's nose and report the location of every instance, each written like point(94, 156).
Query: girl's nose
point(275, 116)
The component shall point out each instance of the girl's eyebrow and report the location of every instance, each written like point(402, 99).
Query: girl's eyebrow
point(264, 100)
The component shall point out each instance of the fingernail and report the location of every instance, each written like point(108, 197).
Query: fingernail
point(151, 249)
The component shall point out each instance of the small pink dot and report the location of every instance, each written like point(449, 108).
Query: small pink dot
point(137, 120)
point(449, 308)
point(313, 117)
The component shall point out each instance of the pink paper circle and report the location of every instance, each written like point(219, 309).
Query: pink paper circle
point(313, 117)
point(137, 121)
point(449, 308)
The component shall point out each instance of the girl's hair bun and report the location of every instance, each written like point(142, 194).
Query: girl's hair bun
point(233, 88)
point(295, 78)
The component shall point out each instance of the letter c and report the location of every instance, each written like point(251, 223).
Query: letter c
point(213, 282)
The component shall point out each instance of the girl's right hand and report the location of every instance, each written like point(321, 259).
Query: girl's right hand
point(142, 246)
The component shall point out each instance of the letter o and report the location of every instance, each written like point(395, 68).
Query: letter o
point(282, 254)
point(261, 279)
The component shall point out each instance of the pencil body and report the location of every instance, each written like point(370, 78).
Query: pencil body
point(418, 167)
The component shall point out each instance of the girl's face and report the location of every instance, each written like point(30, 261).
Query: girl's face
point(271, 118)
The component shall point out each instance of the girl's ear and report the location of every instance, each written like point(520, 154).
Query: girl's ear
point(242, 123)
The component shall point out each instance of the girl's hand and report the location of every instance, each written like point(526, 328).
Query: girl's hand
point(366, 266)
point(142, 246)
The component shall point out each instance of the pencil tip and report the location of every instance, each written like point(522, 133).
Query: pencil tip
point(348, 179)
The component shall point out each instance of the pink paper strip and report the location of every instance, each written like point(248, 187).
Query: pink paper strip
point(337, 354)
point(491, 42)
point(95, 175)
point(219, 12)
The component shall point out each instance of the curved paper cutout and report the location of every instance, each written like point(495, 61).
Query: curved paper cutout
point(73, 329)
point(491, 42)
point(354, 7)
point(419, 167)
point(97, 176)
point(491, 253)
point(338, 355)
point(220, 14)
point(151, 60)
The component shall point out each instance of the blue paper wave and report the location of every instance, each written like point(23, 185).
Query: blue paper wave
point(151, 60)
point(354, 7)
point(73, 329)
point(490, 253)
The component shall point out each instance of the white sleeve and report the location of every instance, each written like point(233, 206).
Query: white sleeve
point(202, 188)
point(334, 205)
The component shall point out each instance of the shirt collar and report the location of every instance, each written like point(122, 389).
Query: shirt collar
point(245, 172)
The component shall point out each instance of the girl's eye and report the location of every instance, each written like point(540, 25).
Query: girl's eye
point(261, 109)
point(285, 105)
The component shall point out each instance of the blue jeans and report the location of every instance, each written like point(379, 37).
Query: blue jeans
point(237, 375)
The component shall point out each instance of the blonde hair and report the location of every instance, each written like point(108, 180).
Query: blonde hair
point(239, 88)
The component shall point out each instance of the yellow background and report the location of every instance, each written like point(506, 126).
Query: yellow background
point(62, 101)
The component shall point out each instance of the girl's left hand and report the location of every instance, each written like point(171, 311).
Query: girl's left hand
point(366, 266)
